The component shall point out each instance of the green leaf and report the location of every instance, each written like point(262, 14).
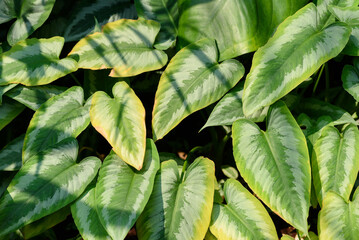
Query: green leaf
point(62, 116)
point(350, 78)
point(297, 49)
point(29, 15)
point(10, 155)
point(229, 109)
point(5, 179)
point(35, 62)
point(275, 164)
point(34, 97)
point(121, 120)
point(85, 214)
point(239, 26)
point(179, 209)
point(122, 192)
point(229, 171)
point(335, 162)
point(47, 182)
point(192, 80)
point(166, 13)
point(4, 89)
point(9, 109)
point(126, 46)
point(243, 217)
point(82, 15)
point(99, 81)
point(338, 219)
point(325, 16)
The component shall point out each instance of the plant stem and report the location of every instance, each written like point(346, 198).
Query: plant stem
point(318, 78)
point(75, 78)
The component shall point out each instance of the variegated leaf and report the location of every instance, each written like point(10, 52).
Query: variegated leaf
point(179, 208)
point(125, 45)
point(243, 217)
point(4, 89)
point(122, 192)
point(350, 78)
point(9, 109)
point(192, 80)
point(47, 182)
point(297, 49)
point(10, 155)
point(83, 15)
point(339, 219)
point(335, 162)
point(121, 120)
point(166, 13)
point(239, 26)
point(62, 116)
point(275, 164)
point(85, 214)
point(35, 62)
point(325, 16)
point(229, 109)
point(34, 97)
point(29, 15)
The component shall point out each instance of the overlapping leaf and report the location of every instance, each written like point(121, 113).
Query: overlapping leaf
point(325, 16)
point(47, 182)
point(179, 209)
point(125, 45)
point(192, 80)
point(29, 14)
point(339, 219)
point(239, 26)
point(9, 109)
point(350, 78)
point(243, 217)
point(83, 15)
point(122, 192)
point(35, 62)
point(335, 162)
point(62, 116)
point(11, 155)
point(297, 49)
point(4, 89)
point(275, 164)
point(121, 120)
point(166, 13)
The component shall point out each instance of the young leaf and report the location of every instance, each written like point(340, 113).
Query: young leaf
point(275, 164)
point(335, 162)
point(9, 110)
point(297, 49)
point(126, 46)
point(350, 78)
point(122, 192)
point(338, 219)
point(192, 80)
point(35, 62)
point(10, 155)
point(244, 217)
point(166, 13)
point(179, 209)
point(62, 116)
point(47, 182)
point(121, 120)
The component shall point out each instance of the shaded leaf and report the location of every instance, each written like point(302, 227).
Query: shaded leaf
point(350, 78)
point(9, 109)
point(10, 155)
point(4, 89)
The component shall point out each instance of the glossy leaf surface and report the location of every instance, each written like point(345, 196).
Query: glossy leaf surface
point(35, 62)
point(335, 161)
point(11, 155)
point(243, 217)
point(9, 109)
point(126, 46)
point(47, 182)
point(350, 78)
point(62, 116)
point(275, 164)
point(121, 120)
point(179, 209)
point(192, 80)
point(297, 49)
point(122, 192)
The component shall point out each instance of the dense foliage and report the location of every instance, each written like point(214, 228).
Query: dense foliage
point(188, 119)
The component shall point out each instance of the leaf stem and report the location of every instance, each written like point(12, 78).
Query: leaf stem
point(75, 78)
point(318, 78)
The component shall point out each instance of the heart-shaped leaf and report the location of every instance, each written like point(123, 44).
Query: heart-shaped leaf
point(179, 209)
point(275, 164)
point(47, 182)
point(192, 80)
point(335, 161)
point(9, 109)
point(62, 116)
point(350, 78)
point(243, 217)
point(121, 120)
point(35, 62)
point(125, 45)
point(11, 155)
point(297, 49)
